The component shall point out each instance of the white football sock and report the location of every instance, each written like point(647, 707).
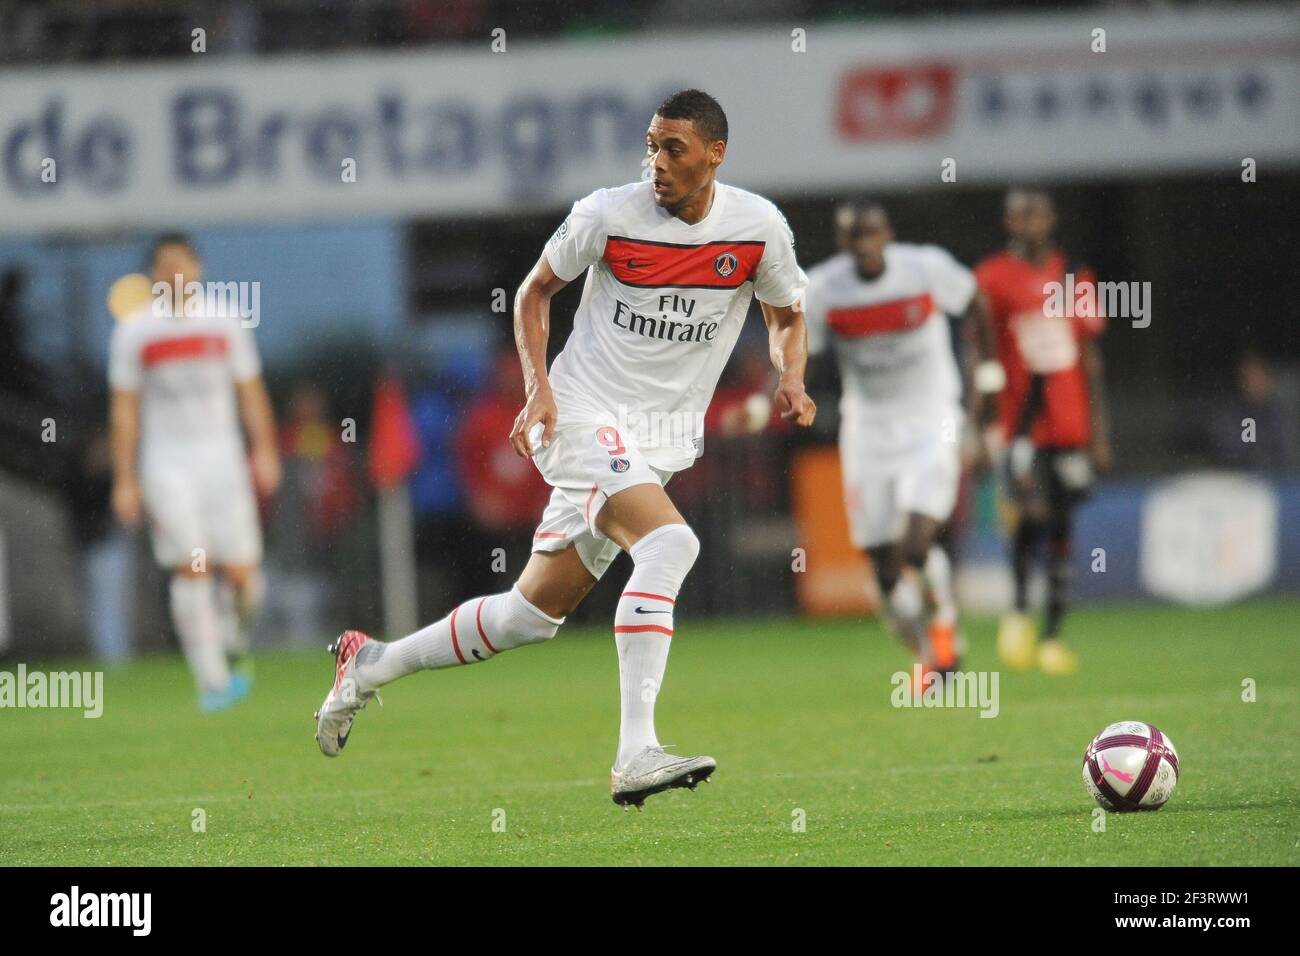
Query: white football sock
point(198, 624)
point(643, 630)
point(476, 630)
point(938, 574)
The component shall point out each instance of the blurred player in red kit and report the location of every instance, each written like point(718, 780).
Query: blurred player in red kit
point(1051, 413)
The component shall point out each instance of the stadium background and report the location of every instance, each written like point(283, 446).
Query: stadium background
point(467, 159)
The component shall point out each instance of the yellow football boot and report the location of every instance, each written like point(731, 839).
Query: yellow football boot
point(1055, 658)
point(1017, 640)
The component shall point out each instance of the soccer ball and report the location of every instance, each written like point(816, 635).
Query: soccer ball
point(1130, 766)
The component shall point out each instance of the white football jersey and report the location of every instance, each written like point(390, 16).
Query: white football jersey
point(661, 308)
point(890, 336)
point(185, 369)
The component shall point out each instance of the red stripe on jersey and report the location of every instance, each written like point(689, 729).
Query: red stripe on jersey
point(647, 594)
point(187, 347)
point(550, 534)
point(666, 265)
point(897, 316)
point(639, 628)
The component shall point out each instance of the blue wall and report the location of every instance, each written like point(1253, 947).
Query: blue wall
point(315, 280)
point(1111, 518)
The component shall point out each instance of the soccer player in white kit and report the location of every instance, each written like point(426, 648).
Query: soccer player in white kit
point(181, 384)
point(670, 264)
point(881, 305)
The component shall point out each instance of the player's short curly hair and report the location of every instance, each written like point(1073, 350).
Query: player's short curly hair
point(170, 239)
point(701, 109)
point(849, 211)
point(1023, 191)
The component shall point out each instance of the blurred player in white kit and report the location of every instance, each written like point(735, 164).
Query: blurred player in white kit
point(670, 263)
point(181, 385)
point(882, 306)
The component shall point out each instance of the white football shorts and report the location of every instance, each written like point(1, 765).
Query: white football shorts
point(587, 462)
point(896, 466)
point(201, 498)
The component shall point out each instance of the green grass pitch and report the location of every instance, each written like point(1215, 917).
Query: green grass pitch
point(797, 713)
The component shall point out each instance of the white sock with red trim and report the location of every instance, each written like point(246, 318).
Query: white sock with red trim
point(643, 630)
point(474, 631)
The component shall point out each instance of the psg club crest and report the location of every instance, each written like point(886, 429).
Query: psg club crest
point(620, 465)
point(725, 264)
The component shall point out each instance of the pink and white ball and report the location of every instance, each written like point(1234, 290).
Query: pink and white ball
point(1130, 766)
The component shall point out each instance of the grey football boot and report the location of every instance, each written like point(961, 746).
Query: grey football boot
point(653, 771)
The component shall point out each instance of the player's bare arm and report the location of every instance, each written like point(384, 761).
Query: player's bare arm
point(1093, 367)
point(788, 347)
point(259, 422)
point(982, 374)
point(980, 348)
point(532, 330)
point(124, 439)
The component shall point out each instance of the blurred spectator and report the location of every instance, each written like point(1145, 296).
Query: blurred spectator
point(506, 494)
point(19, 375)
point(742, 404)
point(436, 496)
point(318, 499)
point(107, 548)
point(237, 29)
point(1256, 429)
point(741, 409)
point(436, 19)
point(435, 486)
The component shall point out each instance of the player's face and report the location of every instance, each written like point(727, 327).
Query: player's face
point(1030, 219)
point(864, 236)
point(176, 259)
point(682, 162)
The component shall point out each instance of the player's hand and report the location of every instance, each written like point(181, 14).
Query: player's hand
point(540, 408)
point(128, 503)
point(266, 471)
point(1102, 455)
point(794, 404)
